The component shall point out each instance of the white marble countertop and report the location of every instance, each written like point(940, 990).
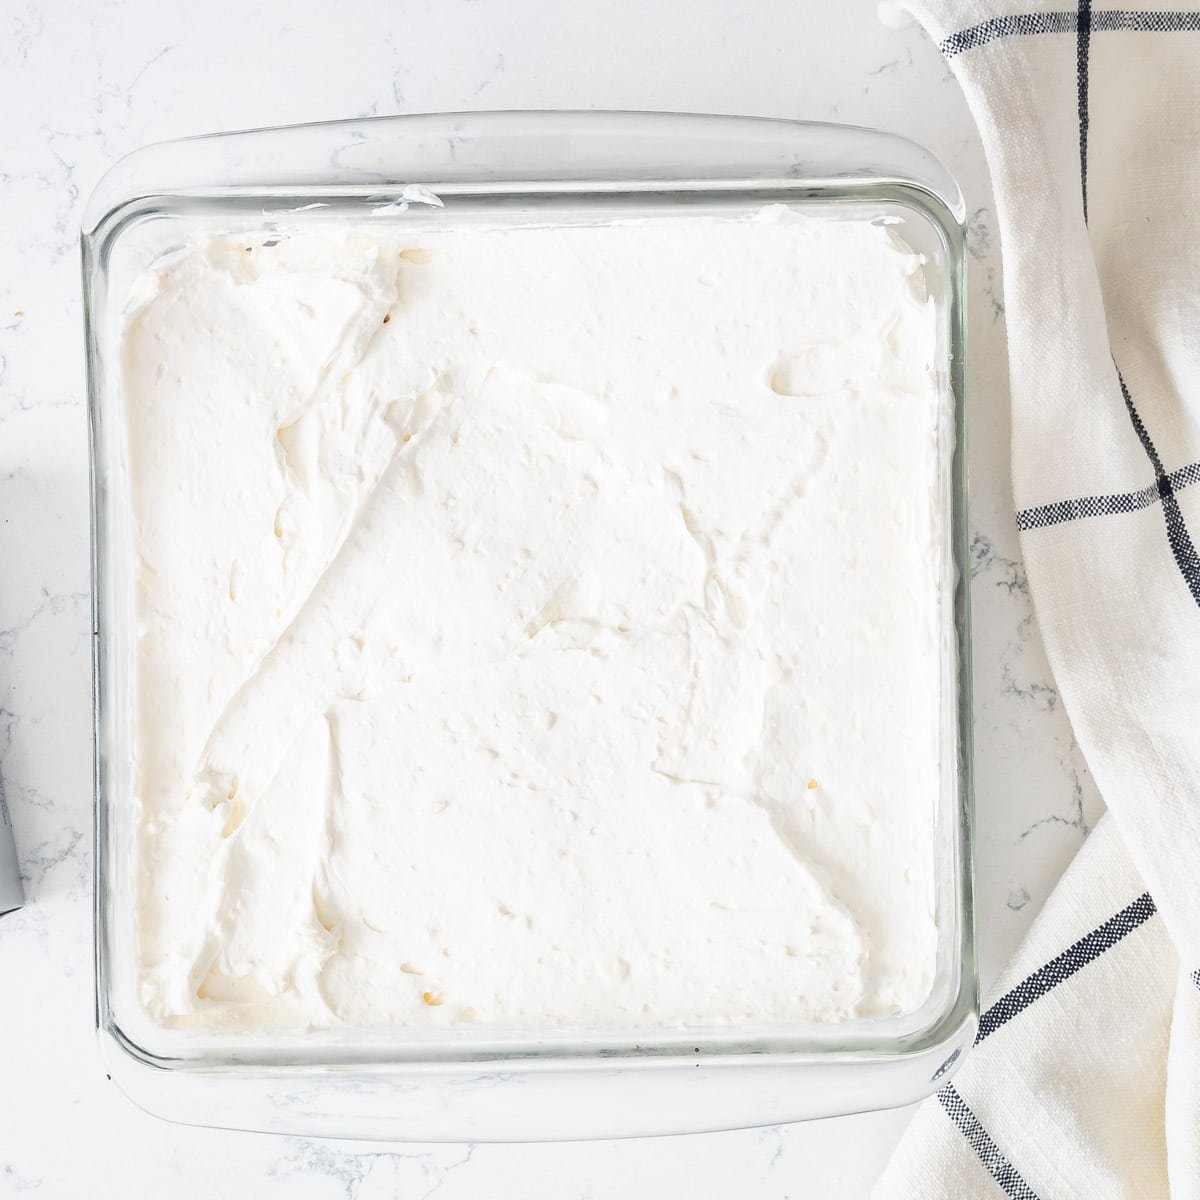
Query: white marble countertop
point(81, 84)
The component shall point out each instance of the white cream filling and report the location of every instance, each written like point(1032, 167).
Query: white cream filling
point(537, 626)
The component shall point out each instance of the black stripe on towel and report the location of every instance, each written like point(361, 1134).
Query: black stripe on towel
point(1084, 951)
point(1182, 547)
point(1124, 21)
point(1062, 511)
point(1019, 24)
point(1030, 24)
point(1000, 1169)
point(1083, 45)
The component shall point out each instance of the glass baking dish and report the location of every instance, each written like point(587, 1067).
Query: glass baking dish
point(515, 167)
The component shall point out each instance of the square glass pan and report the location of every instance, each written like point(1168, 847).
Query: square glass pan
point(511, 169)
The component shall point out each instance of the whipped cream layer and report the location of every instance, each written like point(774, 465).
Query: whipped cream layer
point(538, 626)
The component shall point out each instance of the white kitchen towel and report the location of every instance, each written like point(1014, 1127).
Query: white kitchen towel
point(1085, 1080)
